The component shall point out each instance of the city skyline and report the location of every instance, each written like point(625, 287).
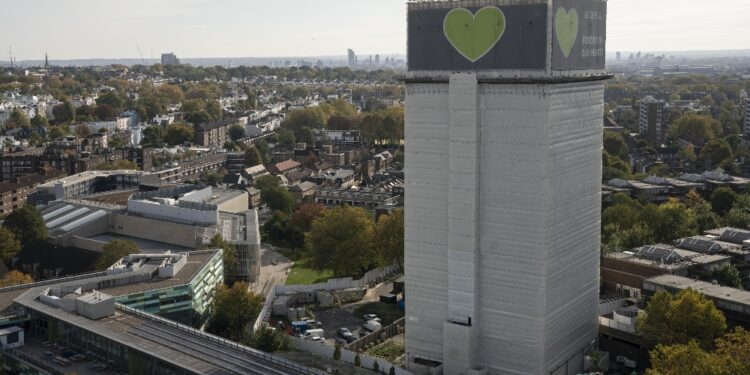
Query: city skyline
point(223, 29)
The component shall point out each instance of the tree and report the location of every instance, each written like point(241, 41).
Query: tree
point(262, 147)
point(389, 237)
point(63, 112)
point(15, 278)
point(106, 112)
point(233, 310)
point(738, 218)
point(683, 359)
point(267, 182)
point(236, 132)
point(672, 320)
point(56, 132)
point(229, 257)
point(252, 157)
point(696, 126)
point(375, 366)
point(83, 131)
point(112, 100)
point(727, 275)
point(39, 121)
point(152, 137)
point(278, 199)
point(270, 340)
point(342, 240)
point(615, 145)
point(286, 138)
point(26, 224)
point(716, 151)
point(357, 361)
point(337, 352)
point(9, 245)
point(722, 200)
point(17, 119)
point(733, 350)
point(178, 133)
point(113, 251)
point(392, 371)
point(670, 220)
point(121, 164)
point(705, 218)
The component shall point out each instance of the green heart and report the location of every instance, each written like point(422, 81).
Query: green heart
point(566, 28)
point(473, 35)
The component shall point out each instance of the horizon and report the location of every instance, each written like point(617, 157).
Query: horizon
point(198, 29)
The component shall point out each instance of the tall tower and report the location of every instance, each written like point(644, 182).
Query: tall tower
point(504, 103)
point(46, 61)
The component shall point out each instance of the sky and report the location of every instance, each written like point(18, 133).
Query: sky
point(79, 29)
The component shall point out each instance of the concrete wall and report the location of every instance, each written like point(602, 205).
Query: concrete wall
point(347, 356)
point(155, 230)
point(87, 244)
point(237, 204)
point(173, 213)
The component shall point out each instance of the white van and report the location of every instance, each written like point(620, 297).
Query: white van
point(317, 332)
point(372, 326)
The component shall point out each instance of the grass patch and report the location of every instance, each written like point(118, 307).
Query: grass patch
point(303, 273)
point(387, 312)
point(389, 350)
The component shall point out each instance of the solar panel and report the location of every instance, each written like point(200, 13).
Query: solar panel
point(699, 245)
point(735, 236)
point(658, 254)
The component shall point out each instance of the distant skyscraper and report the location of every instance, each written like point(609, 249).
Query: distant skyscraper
point(503, 176)
point(46, 61)
point(746, 130)
point(352, 58)
point(653, 119)
point(169, 59)
point(377, 59)
point(619, 56)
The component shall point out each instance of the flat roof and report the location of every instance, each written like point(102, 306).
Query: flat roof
point(708, 289)
point(84, 176)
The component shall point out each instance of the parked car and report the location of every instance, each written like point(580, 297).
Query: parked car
point(346, 334)
point(313, 333)
point(369, 317)
point(372, 325)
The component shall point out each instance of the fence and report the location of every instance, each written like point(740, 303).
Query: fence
point(265, 312)
point(377, 337)
point(369, 280)
point(276, 360)
point(347, 356)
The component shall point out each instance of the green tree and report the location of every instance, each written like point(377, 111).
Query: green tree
point(152, 137)
point(278, 199)
point(682, 359)
point(233, 310)
point(178, 133)
point(672, 320)
point(357, 361)
point(270, 340)
point(389, 237)
point(252, 157)
point(63, 112)
point(392, 371)
point(113, 251)
point(112, 100)
point(9, 245)
point(738, 218)
point(267, 182)
point(262, 147)
point(697, 126)
point(236, 132)
point(733, 350)
point(17, 119)
point(26, 224)
point(670, 221)
point(727, 275)
point(722, 200)
point(39, 121)
point(715, 151)
point(615, 145)
point(342, 240)
point(705, 218)
point(229, 257)
point(375, 366)
point(116, 166)
point(56, 132)
point(286, 138)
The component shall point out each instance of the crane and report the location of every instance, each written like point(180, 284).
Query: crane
point(141, 54)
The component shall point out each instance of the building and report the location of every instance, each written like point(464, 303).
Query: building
point(351, 58)
point(502, 214)
point(13, 194)
point(122, 321)
point(169, 59)
point(746, 127)
point(214, 134)
point(653, 120)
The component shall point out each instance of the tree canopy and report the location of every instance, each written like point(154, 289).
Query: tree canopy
point(252, 157)
point(233, 309)
point(9, 245)
point(26, 224)
point(113, 251)
point(389, 237)
point(178, 133)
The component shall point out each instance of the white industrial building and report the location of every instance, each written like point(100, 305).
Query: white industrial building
point(502, 206)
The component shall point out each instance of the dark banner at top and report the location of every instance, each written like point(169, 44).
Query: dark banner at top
point(579, 34)
point(446, 36)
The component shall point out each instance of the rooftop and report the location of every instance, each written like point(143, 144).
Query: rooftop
point(708, 289)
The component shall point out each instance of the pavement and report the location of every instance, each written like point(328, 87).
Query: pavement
point(272, 266)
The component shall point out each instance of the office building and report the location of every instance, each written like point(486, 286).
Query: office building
point(503, 174)
point(653, 121)
point(746, 127)
point(169, 59)
point(351, 58)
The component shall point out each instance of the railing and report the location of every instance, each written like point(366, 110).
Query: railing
point(611, 323)
point(385, 333)
point(289, 365)
point(265, 312)
point(21, 356)
point(79, 276)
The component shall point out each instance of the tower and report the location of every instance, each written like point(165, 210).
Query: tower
point(46, 61)
point(504, 101)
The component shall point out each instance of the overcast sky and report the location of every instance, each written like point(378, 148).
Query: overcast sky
point(74, 29)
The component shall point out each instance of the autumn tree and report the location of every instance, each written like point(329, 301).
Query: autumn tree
point(26, 224)
point(672, 320)
point(696, 126)
point(252, 157)
point(389, 237)
point(113, 251)
point(233, 309)
point(15, 278)
point(342, 240)
point(9, 245)
point(178, 133)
